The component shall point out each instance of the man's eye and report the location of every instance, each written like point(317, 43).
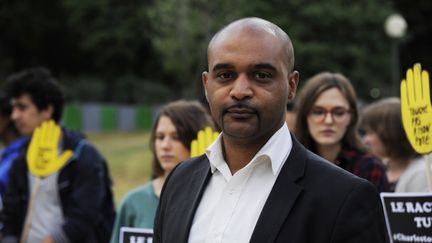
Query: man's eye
point(20, 107)
point(225, 75)
point(262, 75)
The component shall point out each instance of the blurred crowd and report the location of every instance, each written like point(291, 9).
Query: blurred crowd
point(74, 203)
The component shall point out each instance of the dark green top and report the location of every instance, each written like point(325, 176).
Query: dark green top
point(137, 209)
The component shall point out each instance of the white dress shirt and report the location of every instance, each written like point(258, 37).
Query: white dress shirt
point(231, 204)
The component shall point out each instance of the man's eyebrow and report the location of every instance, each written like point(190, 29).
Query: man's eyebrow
point(264, 66)
point(222, 66)
point(18, 104)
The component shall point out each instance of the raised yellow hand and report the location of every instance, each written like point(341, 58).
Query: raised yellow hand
point(416, 109)
point(204, 139)
point(42, 153)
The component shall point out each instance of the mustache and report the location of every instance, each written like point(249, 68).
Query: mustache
point(240, 106)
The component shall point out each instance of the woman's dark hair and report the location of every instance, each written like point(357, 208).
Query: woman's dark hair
point(310, 92)
point(385, 119)
point(42, 88)
point(188, 118)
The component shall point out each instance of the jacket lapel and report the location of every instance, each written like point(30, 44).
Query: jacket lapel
point(282, 197)
point(197, 184)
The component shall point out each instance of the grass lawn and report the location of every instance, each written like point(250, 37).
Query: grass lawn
point(128, 156)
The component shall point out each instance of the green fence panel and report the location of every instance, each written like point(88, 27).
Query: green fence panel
point(72, 117)
point(108, 118)
point(143, 117)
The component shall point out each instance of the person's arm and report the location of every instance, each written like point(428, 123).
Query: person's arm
point(85, 199)
point(361, 217)
point(13, 212)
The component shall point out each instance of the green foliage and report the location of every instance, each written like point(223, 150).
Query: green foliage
point(416, 47)
point(33, 34)
point(337, 36)
point(83, 88)
point(132, 89)
point(153, 51)
point(184, 28)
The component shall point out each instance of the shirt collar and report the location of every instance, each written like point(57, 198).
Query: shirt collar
point(276, 149)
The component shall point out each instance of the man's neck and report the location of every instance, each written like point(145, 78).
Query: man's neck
point(238, 155)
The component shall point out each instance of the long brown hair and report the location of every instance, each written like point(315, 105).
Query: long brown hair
point(188, 118)
point(313, 88)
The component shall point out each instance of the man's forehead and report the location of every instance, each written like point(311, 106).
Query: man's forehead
point(241, 33)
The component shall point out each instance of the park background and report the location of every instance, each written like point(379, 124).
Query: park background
point(118, 61)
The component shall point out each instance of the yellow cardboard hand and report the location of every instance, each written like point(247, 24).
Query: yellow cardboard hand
point(204, 139)
point(416, 109)
point(42, 153)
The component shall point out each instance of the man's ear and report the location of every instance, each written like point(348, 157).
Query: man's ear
point(293, 80)
point(47, 113)
point(204, 79)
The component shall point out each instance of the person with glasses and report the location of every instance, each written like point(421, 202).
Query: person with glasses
point(327, 115)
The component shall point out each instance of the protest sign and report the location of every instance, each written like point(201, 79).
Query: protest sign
point(42, 154)
point(416, 112)
point(135, 235)
point(204, 138)
point(408, 216)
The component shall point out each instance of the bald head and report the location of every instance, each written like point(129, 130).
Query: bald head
point(258, 27)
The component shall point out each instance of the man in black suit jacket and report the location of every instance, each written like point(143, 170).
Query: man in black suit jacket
point(298, 197)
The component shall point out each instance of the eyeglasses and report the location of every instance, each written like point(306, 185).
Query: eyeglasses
point(338, 114)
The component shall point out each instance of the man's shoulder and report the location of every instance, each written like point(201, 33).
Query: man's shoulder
point(329, 175)
point(192, 172)
point(200, 163)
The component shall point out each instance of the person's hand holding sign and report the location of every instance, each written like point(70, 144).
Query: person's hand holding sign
point(43, 160)
point(205, 138)
point(42, 155)
point(416, 109)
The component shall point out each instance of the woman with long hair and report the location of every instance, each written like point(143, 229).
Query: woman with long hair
point(327, 116)
point(176, 125)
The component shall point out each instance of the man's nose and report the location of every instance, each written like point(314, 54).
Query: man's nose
point(14, 115)
point(241, 88)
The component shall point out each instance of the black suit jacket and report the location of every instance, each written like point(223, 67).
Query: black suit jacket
point(312, 200)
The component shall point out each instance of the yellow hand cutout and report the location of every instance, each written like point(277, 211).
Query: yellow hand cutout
point(205, 138)
point(42, 153)
point(416, 109)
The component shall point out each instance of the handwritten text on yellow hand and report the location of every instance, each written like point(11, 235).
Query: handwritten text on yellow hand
point(416, 109)
point(42, 153)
